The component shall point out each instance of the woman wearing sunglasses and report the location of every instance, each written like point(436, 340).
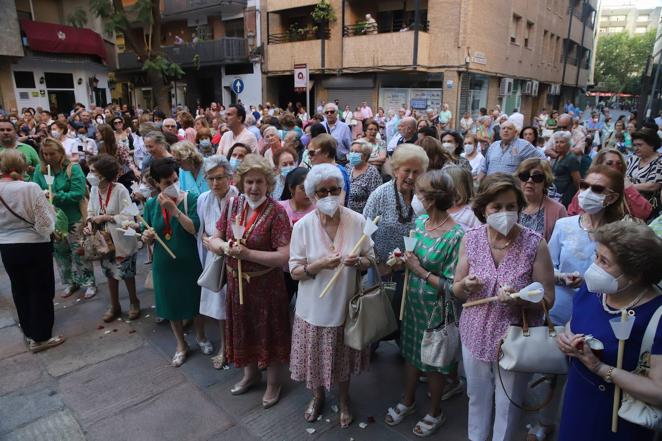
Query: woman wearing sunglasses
point(541, 212)
point(634, 203)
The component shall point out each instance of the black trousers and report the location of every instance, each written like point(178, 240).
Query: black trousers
point(30, 270)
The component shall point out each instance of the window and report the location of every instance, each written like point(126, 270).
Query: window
point(545, 46)
point(514, 28)
point(234, 28)
point(615, 29)
point(640, 30)
point(24, 80)
point(528, 35)
point(59, 80)
point(643, 17)
point(617, 18)
point(239, 69)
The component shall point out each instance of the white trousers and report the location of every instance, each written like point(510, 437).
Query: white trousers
point(487, 398)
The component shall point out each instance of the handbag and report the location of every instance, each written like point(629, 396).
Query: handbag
point(370, 316)
point(97, 245)
point(533, 349)
point(632, 409)
point(213, 275)
point(441, 344)
point(149, 280)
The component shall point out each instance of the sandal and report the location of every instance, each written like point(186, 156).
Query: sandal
point(395, 416)
point(68, 291)
point(218, 361)
point(179, 358)
point(35, 347)
point(539, 432)
point(111, 314)
point(314, 409)
point(346, 417)
point(429, 425)
point(205, 346)
point(134, 311)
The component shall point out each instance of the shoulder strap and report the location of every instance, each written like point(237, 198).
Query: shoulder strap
point(14, 213)
point(69, 169)
point(649, 335)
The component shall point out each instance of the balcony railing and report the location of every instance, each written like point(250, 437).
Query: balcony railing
point(364, 28)
point(178, 6)
point(204, 53)
point(300, 35)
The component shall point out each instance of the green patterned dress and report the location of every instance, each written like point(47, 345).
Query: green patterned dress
point(438, 255)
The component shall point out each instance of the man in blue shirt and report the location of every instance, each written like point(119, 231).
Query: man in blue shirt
point(506, 154)
point(339, 130)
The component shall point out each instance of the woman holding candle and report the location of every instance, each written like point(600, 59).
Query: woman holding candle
point(258, 331)
point(67, 191)
point(431, 269)
point(622, 278)
point(173, 216)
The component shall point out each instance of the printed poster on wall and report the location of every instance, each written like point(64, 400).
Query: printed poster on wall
point(393, 98)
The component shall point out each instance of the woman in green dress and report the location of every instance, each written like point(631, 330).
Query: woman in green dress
point(173, 216)
point(431, 268)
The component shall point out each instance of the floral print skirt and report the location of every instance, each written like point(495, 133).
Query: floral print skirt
point(320, 358)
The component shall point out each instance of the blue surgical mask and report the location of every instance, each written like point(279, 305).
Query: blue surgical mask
point(355, 158)
point(205, 143)
point(284, 171)
point(234, 163)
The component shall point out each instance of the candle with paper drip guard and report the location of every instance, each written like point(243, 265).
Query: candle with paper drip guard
point(622, 327)
point(533, 293)
point(238, 233)
point(410, 245)
point(369, 228)
point(49, 178)
point(132, 210)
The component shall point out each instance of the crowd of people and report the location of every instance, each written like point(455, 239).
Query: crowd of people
point(247, 215)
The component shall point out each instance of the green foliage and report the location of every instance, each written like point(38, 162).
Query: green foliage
point(166, 67)
point(621, 59)
point(323, 13)
point(78, 18)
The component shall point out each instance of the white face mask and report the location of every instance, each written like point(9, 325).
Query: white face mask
point(448, 146)
point(503, 221)
point(600, 281)
point(255, 203)
point(591, 203)
point(468, 149)
point(82, 136)
point(417, 206)
point(328, 205)
point(55, 134)
point(172, 190)
point(93, 179)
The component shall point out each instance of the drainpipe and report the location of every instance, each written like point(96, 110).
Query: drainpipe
point(417, 22)
point(565, 50)
point(584, 9)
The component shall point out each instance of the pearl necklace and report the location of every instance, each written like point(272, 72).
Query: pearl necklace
point(439, 225)
point(634, 303)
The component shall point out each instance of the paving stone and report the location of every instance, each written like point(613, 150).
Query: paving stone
point(238, 405)
point(234, 433)
point(59, 426)
point(90, 348)
point(19, 371)
point(101, 390)
point(12, 342)
point(180, 413)
point(26, 405)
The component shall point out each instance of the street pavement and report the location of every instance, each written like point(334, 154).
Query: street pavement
point(114, 382)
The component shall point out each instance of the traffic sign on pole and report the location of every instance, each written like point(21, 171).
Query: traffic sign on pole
point(238, 86)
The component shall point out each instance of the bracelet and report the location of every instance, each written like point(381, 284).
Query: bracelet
point(358, 263)
point(608, 377)
point(427, 276)
point(308, 273)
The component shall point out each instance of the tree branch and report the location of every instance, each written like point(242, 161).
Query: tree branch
point(129, 38)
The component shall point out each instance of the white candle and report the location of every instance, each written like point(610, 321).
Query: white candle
point(49, 169)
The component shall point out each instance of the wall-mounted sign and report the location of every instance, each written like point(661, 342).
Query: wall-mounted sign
point(35, 94)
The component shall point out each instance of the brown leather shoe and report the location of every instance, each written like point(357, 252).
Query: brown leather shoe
point(111, 314)
point(134, 311)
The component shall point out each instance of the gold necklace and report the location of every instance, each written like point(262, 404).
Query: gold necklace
point(494, 247)
point(439, 225)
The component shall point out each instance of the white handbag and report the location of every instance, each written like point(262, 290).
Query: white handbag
point(441, 345)
point(632, 409)
point(212, 276)
point(533, 349)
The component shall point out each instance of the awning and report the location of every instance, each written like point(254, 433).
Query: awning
point(61, 39)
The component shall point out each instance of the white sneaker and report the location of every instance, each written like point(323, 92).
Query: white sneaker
point(90, 292)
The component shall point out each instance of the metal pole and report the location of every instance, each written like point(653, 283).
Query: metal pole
point(651, 98)
point(417, 23)
point(584, 9)
point(565, 49)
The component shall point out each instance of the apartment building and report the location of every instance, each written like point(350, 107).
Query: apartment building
point(628, 17)
point(467, 53)
point(214, 42)
point(45, 62)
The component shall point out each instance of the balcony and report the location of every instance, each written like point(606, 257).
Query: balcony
point(295, 34)
point(183, 9)
point(213, 52)
point(383, 27)
point(385, 49)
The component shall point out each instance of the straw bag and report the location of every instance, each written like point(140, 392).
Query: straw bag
point(632, 409)
point(533, 349)
point(370, 316)
point(441, 345)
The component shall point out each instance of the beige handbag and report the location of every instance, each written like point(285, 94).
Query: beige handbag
point(370, 316)
point(632, 409)
point(533, 349)
point(149, 280)
point(441, 345)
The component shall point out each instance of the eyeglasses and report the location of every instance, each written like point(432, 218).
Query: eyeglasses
point(595, 188)
point(329, 112)
point(216, 178)
point(324, 192)
point(169, 126)
point(535, 177)
point(312, 153)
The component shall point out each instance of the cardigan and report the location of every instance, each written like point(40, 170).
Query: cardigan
point(553, 212)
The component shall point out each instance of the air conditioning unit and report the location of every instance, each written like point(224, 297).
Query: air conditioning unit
point(535, 85)
point(506, 87)
point(526, 90)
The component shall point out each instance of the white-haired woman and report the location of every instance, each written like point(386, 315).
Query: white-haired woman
point(393, 202)
point(321, 241)
point(272, 143)
point(191, 176)
point(211, 204)
point(565, 167)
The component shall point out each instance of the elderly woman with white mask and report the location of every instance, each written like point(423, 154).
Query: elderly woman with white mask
point(321, 242)
point(217, 172)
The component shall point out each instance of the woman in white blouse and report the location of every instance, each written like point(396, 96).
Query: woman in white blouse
point(321, 242)
point(106, 210)
point(211, 204)
point(26, 223)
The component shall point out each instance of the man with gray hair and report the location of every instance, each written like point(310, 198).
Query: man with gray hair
point(339, 130)
point(578, 137)
point(406, 134)
point(506, 154)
